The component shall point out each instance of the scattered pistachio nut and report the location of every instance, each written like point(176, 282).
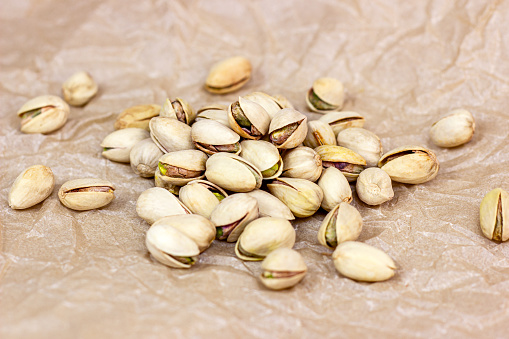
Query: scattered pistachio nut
point(156, 203)
point(342, 223)
point(270, 206)
point(117, 145)
point(201, 197)
point(326, 95)
point(336, 188)
point(302, 196)
point(302, 162)
point(363, 142)
point(374, 186)
point(264, 155)
point(343, 120)
point(494, 215)
point(137, 117)
point(288, 128)
point(283, 268)
point(248, 119)
point(79, 89)
point(144, 158)
point(212, 137)
point(319, 133)
point(228, 75)
point(410, 164)
point(31, 187)
point(178, 109)
point(43, 114)
point(456, 129)
point(170, 134)
point(233, 173)
point(86, 194)
point(344, 159)
point(180, 167)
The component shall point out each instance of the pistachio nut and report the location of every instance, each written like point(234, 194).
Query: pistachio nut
point(232, 172)
point(343, 120)
point(344, 159)
point(232, 215)
point(31, 187)
point(335, 187)
point(170, 135)
point(248, 119)
point(319, 133)
point(410, 164)
point(228, 75)
point(262, 236)
point(156, 203)
point(342, 223)
point(79, 89)
point(302, 196)
point(456, 129)
point(362, 262)
point(326, 95)
point(288, 128)
point(212, 137)
point(162, 182)
point(86, 194)
point(216, 112)
point(363, 142)
point(268, 103)
point(43, 114)
point(282, 101)
point(144, 157)
point(302, 162)
point(494, 215)
point(374, 186)
point(171, 247)
point(264, 156)
point(283, 268)
point(137, 117)
point(117, 145)
point(178, 109)
point(201, 197)
point(180, 167)
point(270, 206)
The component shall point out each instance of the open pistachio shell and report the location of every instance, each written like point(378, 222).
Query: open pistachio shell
point(344, 159)
point(288, 128)
point(335, 187)
point(178, 109)
point(456, 129)
point(326, 95)
point(266, 101)
point(264, 156)
point(171, 247)
point(218, 113)
point(180, 167)
point(43, 114)
point(270, 206)
point(117, 145)
point(302, 196)
point(201, 197)
point(494, 215)
point(302, 162)
point(32, 186)
point(212, 137)
point(343, 120)
point(232, 172)
point(319, 133)
point(79, 89)
point(283, 268)
point(248, 119)
point(137, 116)
point(156, 202)
point(144, 157)
point(228, 75)
point(282, 101)
point(374, 186)
point(410, 164)
point(342, 223)
point(86, 194)
point(165, 182)
point(170, 134)
point(363, 142)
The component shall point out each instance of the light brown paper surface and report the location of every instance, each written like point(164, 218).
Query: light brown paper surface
point(68, 274)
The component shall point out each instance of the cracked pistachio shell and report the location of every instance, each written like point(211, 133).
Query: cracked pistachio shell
point(31, 187)
point(201, 197)
point(410, 164)
point(262, 236)
point(335, 187)
point(270, 206)
point(288, 128)
point(232, 172)
point(374, 186)
point(232, 215)
point(137, 117)
point(326, 95)
point(216, 112)
point(170, 135)
point(264, 156)
point(319, 133)
point(156, 203)
point(494, 215)
point(164, 182)
point(283, 268)
point(268, 103)
point(302, 162)
point(343, 120)
point(79, 89)
point(144, 157)
point(212, 137)
point(342, 223)
point(455, 129)
point(255, 114)
point(302, 196)
point(181, 167)
point(43, 114)
point(282, 101)
point(228, 75)
point(167, 245)
point(363, 142)
point(362, 262)
point(86, 194)
point(344, 159)
point(117, 145)
point(178, 109)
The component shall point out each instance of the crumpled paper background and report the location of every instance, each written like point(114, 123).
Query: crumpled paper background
point(68, 274)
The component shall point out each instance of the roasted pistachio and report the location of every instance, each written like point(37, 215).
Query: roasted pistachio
point(43, 114)
point(302, 196)
point(79, 89)
point(283, 268)
point(170, 135)
point(228, 75)
point(288, 128)
point(163, 182)
point(144, 157)
point(270, 206)
point(342, 223)
point(302, 162)
point(344, 159)
point(201, 197)
point(248, 119)
point(117, 145)
point(363, 142)
point(494, 215)
point(156, 202)
point(456, 129)
point(319, 133)
point(137, 116)
point(212, 137)
point(171, 247)
point(335, 187)
point(410, 164)
point(86, 194)
point(215, 112)
point(326, 95)
point(374, 186)
point(32, 186)
point(268, 103)
point(264, 156)
point(180, 167)
point(232, 172)
point(343, 120)
point(178, 109)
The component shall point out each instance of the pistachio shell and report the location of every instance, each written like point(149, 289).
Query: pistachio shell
point(410, 164)
point(335, 187)
point(344, 159)
point(293, 136)
point(363, 142)
point(268, 103)
point(156, 202)
point(342, 223)
point(118, 144)
point(343, 120)
point(374, 186)
point(144, 157)
point(137, 116)
point(167, 245)
point(319, 133)
point(43, 114)
point(282, 101)
point(79, 89)
point(207, 135)
point(456, 129)
point(255, 114)
point(283, 268)
point(264, 156)
point(170, 135)
point(302, 197)
point(270, 206)
point(494, 215)
point(31, 187)
point(228, 75)
point(187, 165)
point(86, 194)
point(217, 113)
point(164, 182)
point(326, 95)
point(232, 172)
point(201, 197)
point(302, 162)
point(178, 109)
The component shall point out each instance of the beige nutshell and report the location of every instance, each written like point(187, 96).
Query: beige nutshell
point(455, 129)
point(363, 142)
point(86, 194)
point(79, 89)
point(374, 186)
point(270, 206)
point(410, 164)
point(288, 128)
point(302, 196)
point(201, 197)
point(137, 117)
point(212, 137)
point(228, 75)
point(156, 203)
point(31, 187)
point(170, 134)
point(326, 95)
point(248, 119)
point(340, 121)
point(319, 133)
point(144, 158)
point(335, 187)
point(117, 145)
point(342, 223)
point(216, 112)
point(264, 155)
point(232, 172)
point(494, 215)
point(283, 268)
point(178, 109)
point(43, 114)
point(302, 162)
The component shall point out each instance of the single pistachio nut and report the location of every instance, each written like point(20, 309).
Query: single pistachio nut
point(288, 128)
point(212, 137)
point(232, 172)
point(170, 135)
point(456, 129)
point(270, 206)
point(363, 142)
point(31, 187)
point(144, 158)
point(319, 133)
point(163, 182)
point(326, 95)
point(43, 114)
point(335, 187)
point(137, 117)
point(232, 215)
point(201, 197)
point(215, 112)
point(79, 89)
point(86, 194)
point(262, 236)
point(410, 164)
point(248, 119)
point(342, 223)
point(302, 162)
point(228, 75)
point(283, 268)
point(374, 186)
point(117, 145)
point(178, 109)
point(282, 101)
point(344, 159)
point(171, 247)
point(494, 215)
point(268, 103)
point(264, 155)
point(180, 167)
point(302, 196)
point(343, 120)
point(156, 203)
point(362, 262)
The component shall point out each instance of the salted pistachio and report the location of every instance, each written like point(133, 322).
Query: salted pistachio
point(79, 89)
point(410, 164)
point(144, 157)
point(302, 162)
point(156, 202)
point(86, 194)
point(137, 117)
point(268, 103)
point(343, 120)
point(228, 75)
point(201, 197)
point(232, 172)
point(288, 128)
point(282, 101)
point(117, 145)
point(248, 119)
point(362, 262)
point(319, 133)
point(178, 109)
point(374, 186)
point(171, 247)
point(494, 215)
point(180, 167)
point(262, 236)
point(342, 223)
point(326, 95)
point(215, 112)
point(170, 135)
point(270, 206)
point(164, 182)
point(232, 215)
point(212, 137)
point(31, 187)
point(264, 156)
point(344, 159)
point(363, 142)
point(43, 114)
point(283, 268)
point(456, 129)
point(302, 196)
point(335, 187)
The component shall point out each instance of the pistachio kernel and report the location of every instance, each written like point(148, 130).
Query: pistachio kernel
point(279, 136)
point(330, 233)
point(271, 171)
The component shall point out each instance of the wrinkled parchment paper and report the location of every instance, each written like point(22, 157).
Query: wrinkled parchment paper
point(68, 274)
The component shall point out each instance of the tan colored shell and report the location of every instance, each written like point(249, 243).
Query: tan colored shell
point(348, 225)
point(83, 201)
point(217, 113)
point(494, 215)
point(343, 120)
point(410, 164)
point(335, 187)
point(270, 206)
point(263, 155)
point(170, 135)
point(31, 187)
point(156, 202)
point(168, 111)
point(211, 132)
point(302, 162)
point(137, 116)
point(285, 117)
point(363, 142)
point(79, 89)
point(190, 159)
point(228, 75)
point(456, 129)
point(282, 101)
point(286, 262)
point(119, 143)
point(328, 90)
point(256, 115)
point(374, 186)
point(198, 196)
point(54, 114)
point(144, 157)
point(161, 181)
point(319, 133)
point(268, 103)
point(338, 154)
point(232, 172)
point(302, 196)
